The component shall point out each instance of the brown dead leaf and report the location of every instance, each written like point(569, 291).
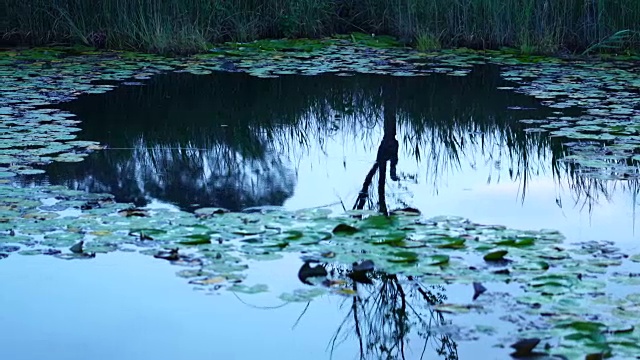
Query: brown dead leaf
point(345, 291)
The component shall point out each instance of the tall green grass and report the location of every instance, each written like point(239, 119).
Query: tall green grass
point(190, 25)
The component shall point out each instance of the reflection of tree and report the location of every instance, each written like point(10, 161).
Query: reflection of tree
point(387, 312)
point(387, 152)
point(186, 176)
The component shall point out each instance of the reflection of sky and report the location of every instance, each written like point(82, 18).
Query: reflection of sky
point(475, 189)
point(126, 306)
point(499, 204)
point(130, 307)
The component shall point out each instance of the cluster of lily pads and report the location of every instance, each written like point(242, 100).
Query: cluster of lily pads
point(564, 288)
point(605, 136)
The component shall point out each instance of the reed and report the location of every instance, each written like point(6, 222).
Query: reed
point(192, 25)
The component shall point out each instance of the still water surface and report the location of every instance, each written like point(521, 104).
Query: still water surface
point(234, 141)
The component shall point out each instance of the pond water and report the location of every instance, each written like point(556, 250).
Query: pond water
point(235, 141)
point(127, 306)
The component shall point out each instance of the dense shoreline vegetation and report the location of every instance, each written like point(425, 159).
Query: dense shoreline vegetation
point(188, 26)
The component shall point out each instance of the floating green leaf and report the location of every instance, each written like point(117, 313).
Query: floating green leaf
point(453, 244)
point(197, 239)
point(437, 260)
point(344, 229)
point(495, 255)
point(404, 257)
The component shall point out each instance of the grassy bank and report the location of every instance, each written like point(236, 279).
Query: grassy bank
point(191, 25)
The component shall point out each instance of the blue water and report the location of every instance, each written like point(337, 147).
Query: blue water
point(234, 141)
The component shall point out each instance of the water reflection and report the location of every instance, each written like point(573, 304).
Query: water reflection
point(235, 141)
point(161, 318)
point(385, 312)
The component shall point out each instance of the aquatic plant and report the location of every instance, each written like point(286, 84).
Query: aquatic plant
point(190, 26)
point(561, 286)
point(562, 290)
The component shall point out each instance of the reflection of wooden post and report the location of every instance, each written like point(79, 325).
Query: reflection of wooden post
point(364, 192)
point(382, 178)
point(387, 151)
point(389, 146)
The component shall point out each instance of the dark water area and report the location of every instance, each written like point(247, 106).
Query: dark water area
point(235, 141)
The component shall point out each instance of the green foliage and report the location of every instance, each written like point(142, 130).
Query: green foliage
point(427, 42)
point(371, 40)
point(495, 255)
point(190, 26)
point(618, 41)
